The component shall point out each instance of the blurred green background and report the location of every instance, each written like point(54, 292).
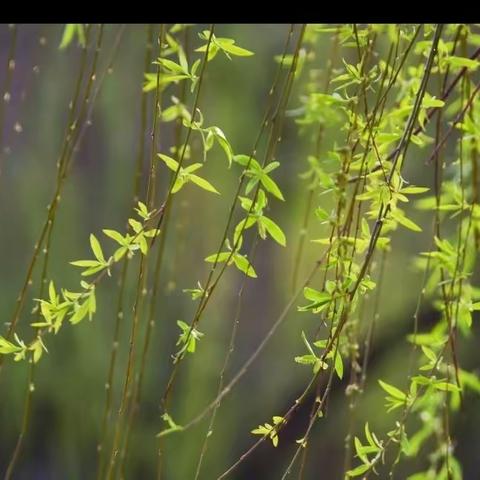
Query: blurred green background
point(69, 387)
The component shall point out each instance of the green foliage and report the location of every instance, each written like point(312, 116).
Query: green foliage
point(270, 430)
point(386, 99)
point(93, 266)
point(232, 256)
point(188, 338)
point(172, 426)
point(18, 350)
point(220, 44)
point(256, 217)
point(75, 306)
point(71, 31)
point(257, 173)
point(172, 72)
point(311, 358)
point(368, 454)
point(209, 136)
point(396, 398)
point(186, 175)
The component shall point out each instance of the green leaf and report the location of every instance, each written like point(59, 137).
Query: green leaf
point(360, 450)
point(188, 338)
point(339, 365)
point(81, 34)
point(40, 325)
point(432, 102)
point(462, 62)
point(260, 430)
point(271, 167)
point(115, 236)
point(179, 183)
point(182, 59)
point(223, 142)
point(7, 347)
point(244, 265)
point(202, 183)
point(314, 295)
point(92, 304)
point(229, 46)
point(271, 186)
point(221, 257)
point(269, 430)
point(80, 313)
point(400, 218)
point(96, 248)
point(321, 214)
point(393, 391)
point(213, 47)
point(308, 359)
point(169, 162)
point(85, 263)
point(69, 32)
point(153, 232)
point(428, 339)
point(446, 386)
point(274, 230)
point(429, 353)
point(368, 435)
point(37, 347)
point(51, 292)
point(164, 80)
point(120, 253)
point(172, 66)
point(136, 225)
point(361, 469)
point(414, 190)
point(93, 270)
point(192, 168)
point(277, 420)
point(185, 327)
point(418, 476)
point(142, 242)
point(142, 210)
point(244, 160)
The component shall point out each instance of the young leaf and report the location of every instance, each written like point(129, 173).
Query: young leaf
point(115, 236)
point(271, 187)
point(96, 248)
point(406, 222)
point(202, 183)
point(244, 265)
point(228, 45)
point(339, 365)
point(393, 391)
point(169, 162)
point(69, 32)
point(221, 257)
point(7, 347)
point(274, 230)
point(360, 470)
